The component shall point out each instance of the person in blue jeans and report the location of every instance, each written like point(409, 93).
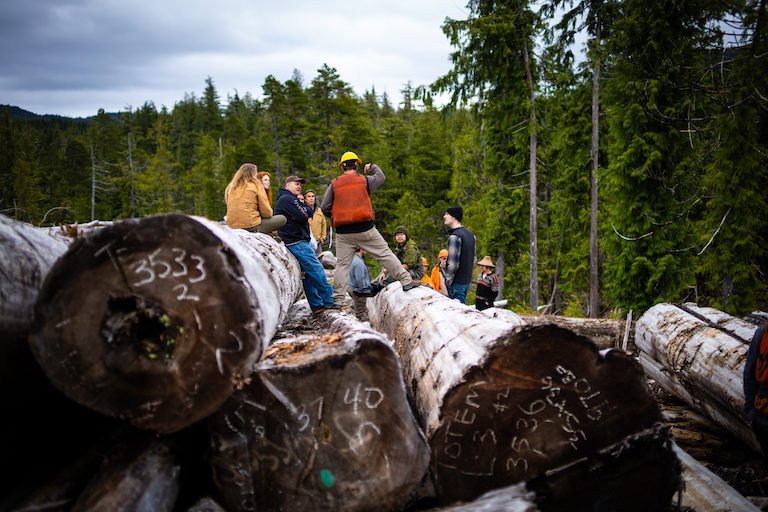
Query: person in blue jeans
point(295, 236)
point(461, 255)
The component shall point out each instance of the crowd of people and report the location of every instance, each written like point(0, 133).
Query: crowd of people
point(300, 223)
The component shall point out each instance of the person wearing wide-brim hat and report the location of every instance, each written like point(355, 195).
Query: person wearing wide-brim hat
point(487, 284)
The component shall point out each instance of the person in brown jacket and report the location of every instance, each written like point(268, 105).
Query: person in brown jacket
point(317, 224)
point(247, 203)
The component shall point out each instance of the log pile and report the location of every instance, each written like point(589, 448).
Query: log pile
point(164, 324)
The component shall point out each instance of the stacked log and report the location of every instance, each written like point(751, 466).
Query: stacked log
point(699, 358)
point(324, 424)
point(157, 320)
point(502, 402)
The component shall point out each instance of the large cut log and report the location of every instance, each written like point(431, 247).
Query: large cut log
point(503, 402)
point(156, 320)
point(699, 363)
point(323, 425)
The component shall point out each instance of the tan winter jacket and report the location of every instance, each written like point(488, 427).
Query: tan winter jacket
point(247, 205)
point(318, 225)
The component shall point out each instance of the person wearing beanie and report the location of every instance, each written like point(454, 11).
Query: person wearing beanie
point(408, 253)
point(461, 255)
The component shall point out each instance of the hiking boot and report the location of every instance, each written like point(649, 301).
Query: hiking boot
point(411, 286)
point(319, 309)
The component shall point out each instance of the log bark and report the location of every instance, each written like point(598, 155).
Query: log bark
point(335, 400)
point(699, 363)
point(323, 425)
point(157, 320)
point(502, 402)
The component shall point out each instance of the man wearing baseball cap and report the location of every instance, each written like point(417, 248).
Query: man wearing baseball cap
point(295, 236)
point(461, 255)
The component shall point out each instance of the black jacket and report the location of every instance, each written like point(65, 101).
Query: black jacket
point(297, 214)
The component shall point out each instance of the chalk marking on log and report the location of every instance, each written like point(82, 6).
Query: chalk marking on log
point(279, 395)
point(63, 323)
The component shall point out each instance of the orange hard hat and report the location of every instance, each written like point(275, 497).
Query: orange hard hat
point(443, 253)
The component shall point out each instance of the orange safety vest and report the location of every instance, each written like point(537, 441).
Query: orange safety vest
point(351, 202)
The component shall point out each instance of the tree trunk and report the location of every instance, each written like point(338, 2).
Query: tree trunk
point(699, 363)
point(503, 402)
point(533, 223)
point(594, 254)
point(324, 424)
point(156, 320)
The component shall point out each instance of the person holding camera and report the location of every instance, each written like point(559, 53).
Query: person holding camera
point(347, 202)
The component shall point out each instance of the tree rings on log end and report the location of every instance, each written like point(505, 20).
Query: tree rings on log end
point(335, 433)
point(543, 397)
point(148, 320)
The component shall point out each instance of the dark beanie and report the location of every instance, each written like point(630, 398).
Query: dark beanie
point(401, 229)
point(456, 212)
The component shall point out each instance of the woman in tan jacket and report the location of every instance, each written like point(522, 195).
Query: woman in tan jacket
point(247, 203)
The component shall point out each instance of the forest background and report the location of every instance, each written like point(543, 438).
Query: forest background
point(602, 180)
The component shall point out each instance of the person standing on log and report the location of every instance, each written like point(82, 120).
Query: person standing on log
point(487, 285)
point(317, 224)
point(248, 206)
point(461, 255)
point(348, 204)
point(756, 386)
point(295, 236)
point(438, 273)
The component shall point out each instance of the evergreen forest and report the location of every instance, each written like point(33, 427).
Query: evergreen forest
point(608, 154)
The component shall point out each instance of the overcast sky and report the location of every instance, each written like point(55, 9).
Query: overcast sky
point(72, 57)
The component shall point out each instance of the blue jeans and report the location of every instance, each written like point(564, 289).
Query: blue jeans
point(458, 291)
point(316, 286)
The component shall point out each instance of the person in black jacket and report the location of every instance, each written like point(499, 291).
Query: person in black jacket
point(461, 255)
point(755, 392)
point(295, 236)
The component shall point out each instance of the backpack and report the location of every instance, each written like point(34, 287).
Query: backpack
point(761, 374)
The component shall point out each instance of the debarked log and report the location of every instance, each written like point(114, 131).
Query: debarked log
point(26, 256)
point(699, 363)
point(324, 424)
point(156, 320)
point(503, 402)
point(134, 477)
point(605, 332)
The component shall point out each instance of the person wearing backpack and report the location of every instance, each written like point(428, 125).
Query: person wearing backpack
point(756, 386)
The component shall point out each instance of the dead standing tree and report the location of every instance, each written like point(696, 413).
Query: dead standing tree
point(502, 402)
point(324, 424)
point(156, 320)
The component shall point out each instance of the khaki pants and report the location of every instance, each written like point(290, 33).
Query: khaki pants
point(376, 247)
point(269, 225)
point(360, 305)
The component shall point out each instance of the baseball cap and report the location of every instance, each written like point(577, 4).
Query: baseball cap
point(294, 178)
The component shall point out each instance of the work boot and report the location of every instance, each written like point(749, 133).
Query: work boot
point(320, 309)
point(411, 286)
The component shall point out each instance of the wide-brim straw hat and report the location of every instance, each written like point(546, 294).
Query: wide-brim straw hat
point(487, 262)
